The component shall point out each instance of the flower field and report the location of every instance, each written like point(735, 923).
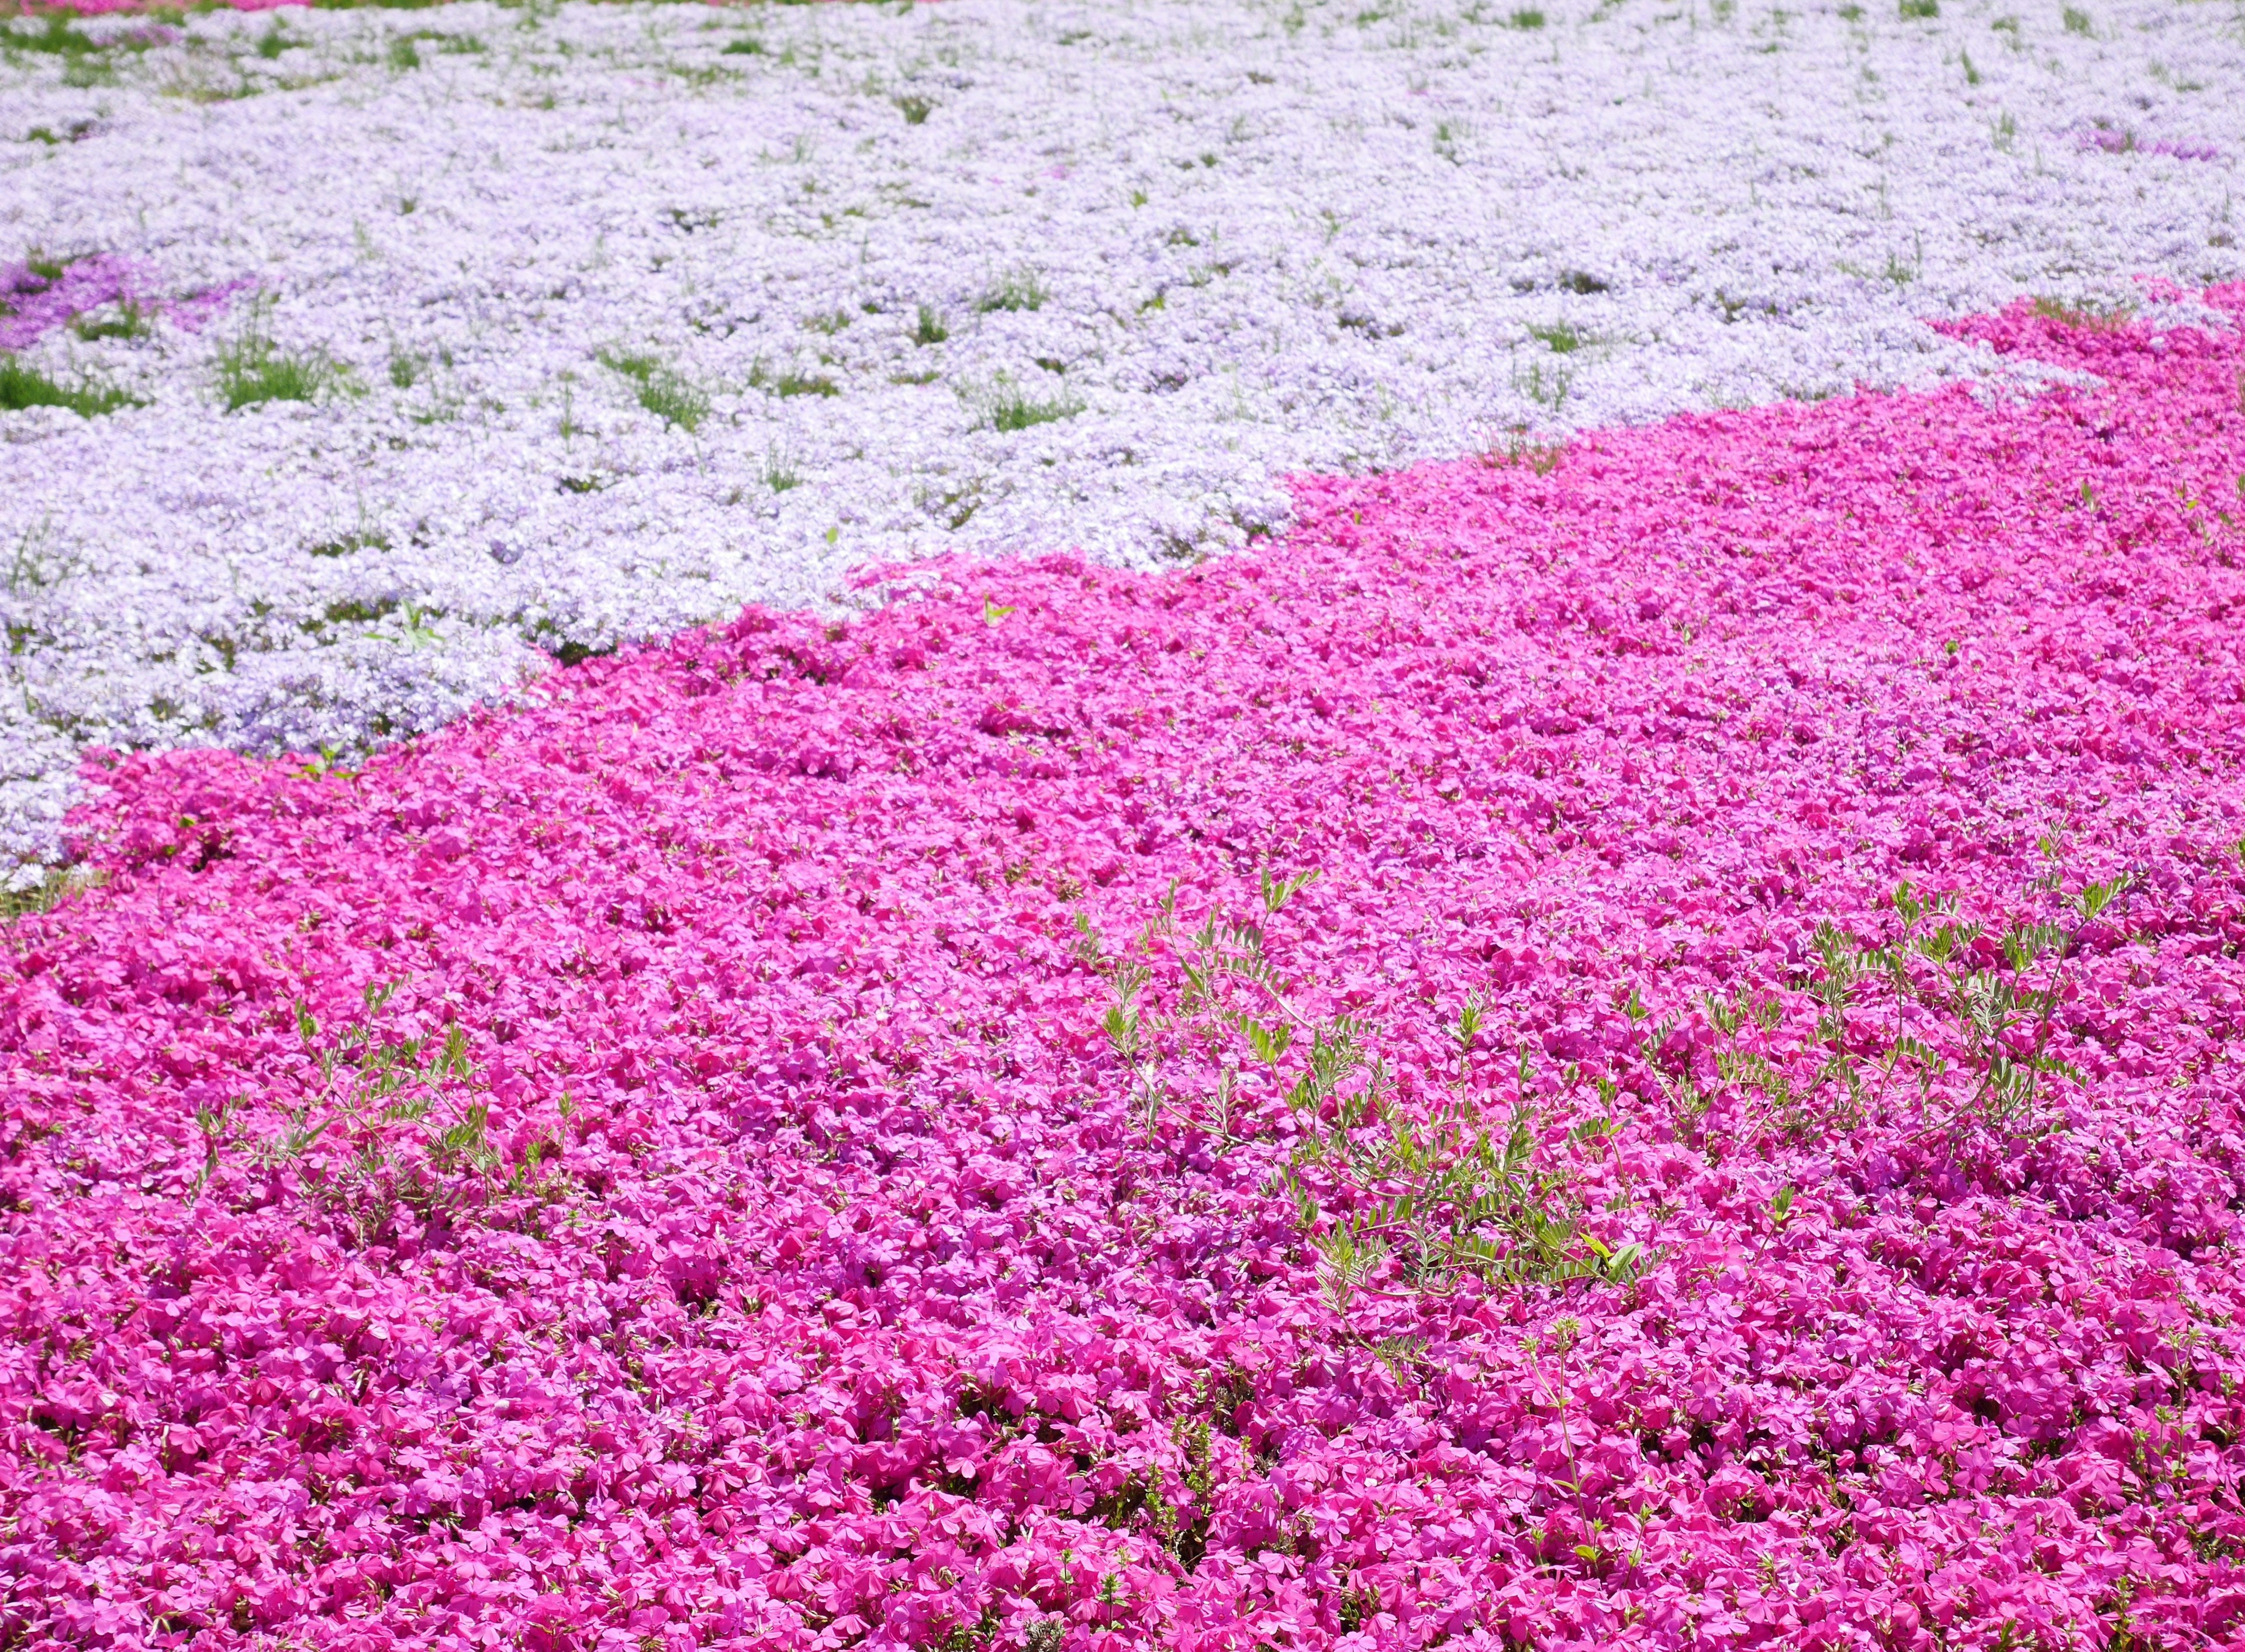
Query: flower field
point(1553, 967)
point(441, 342)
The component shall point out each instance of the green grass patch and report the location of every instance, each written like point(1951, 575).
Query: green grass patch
point(1022, 290)
point(124, 319)
point(253, 369)
point(1006, 407)
point(85, 61)
point(2089, 313)
point(23, 386)
point(45, 267)
point(56, 886)
point(663, 391)
point(56, 35)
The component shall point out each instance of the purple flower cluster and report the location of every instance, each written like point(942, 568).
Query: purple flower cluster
point(2118, 141)
point(36, 297)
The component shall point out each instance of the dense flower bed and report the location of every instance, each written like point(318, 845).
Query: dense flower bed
point(756, 1146)
point(551, 327)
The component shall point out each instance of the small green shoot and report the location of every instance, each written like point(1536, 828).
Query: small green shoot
point(1276, 891)
point(1470, 1016)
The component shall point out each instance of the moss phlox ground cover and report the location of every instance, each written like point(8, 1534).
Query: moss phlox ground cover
point(578, 325)
point(899, 1133)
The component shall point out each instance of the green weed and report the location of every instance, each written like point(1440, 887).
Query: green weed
point(1022, 290)
point(663, 391)
point(1936, 997)
point(369, 1085)
point(253, 369)
point(1543, 457)
point(929, 328)
point(23, 386)
point(46, 266)
point(86, 62)
point(2088, 313)
point(56, 34)
point(1006, 407)
point(55, 886)
point(1544, 384)
point(127, 318)
point(1430, 1194)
